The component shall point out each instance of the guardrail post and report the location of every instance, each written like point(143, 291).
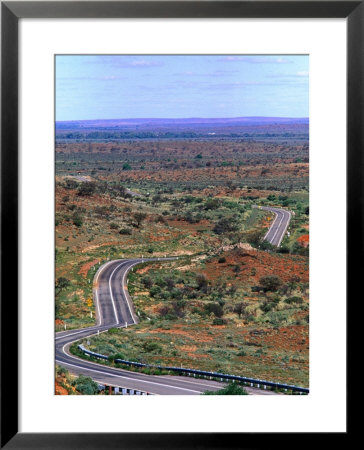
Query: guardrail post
point(116, 390)
point(260, 384)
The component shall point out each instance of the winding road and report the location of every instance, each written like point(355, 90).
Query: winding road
point(278, 229)
point(114, 308)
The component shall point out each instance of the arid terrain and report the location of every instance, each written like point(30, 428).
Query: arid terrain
point(231, 302)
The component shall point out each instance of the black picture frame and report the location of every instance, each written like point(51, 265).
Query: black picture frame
point(11, 12)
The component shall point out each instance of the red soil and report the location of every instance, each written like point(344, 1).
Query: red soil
point(304, 240)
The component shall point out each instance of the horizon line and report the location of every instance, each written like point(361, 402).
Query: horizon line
point(184, 118)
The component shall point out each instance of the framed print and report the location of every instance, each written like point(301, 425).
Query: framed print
point(175, 182)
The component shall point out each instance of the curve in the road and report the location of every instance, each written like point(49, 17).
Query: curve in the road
point(278, 229)
point(114, 308)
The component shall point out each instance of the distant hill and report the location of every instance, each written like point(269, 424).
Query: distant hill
point(188, 122)
point(191, 128)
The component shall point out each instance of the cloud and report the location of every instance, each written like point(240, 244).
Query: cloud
point(215, 73)
point(256, 59)
point(238, 84)
point(289, 77)
point(101, 78)
point(124, 62)
point(141, 63)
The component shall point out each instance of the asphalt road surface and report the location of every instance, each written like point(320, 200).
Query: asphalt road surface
point(278, 229)
point(114, 308)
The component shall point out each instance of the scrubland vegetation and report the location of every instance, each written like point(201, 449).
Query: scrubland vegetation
point(67, 384)
point(231, 302)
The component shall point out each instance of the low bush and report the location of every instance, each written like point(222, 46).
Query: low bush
point(85, 385)
point(295, 299)
point(230, 389)
point(125, 231)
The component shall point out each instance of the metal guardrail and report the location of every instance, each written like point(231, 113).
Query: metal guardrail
point(117, 390)
point(262, 384)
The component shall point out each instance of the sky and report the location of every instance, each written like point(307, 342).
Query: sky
point(181, 86)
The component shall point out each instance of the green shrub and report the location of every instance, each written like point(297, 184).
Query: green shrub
point(225, 225)
point(218, 321)
point(267, 306)
point(113, 331)
point(77, 220)
point(62, 372)
point(214, 308)
point(155, 290)
point(230, 389)
point(295, 299)
point(270, 283)
point(62, 283)
point(86, 189)
point(151, 346)
point(125, 231)
point(85, 385)
point(70, 183)
point(147, 281)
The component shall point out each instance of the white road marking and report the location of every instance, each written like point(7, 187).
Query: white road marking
point(280, 223)
point(127, 378)
point(277, 211)
point(121, 375)
point(97, 300)
point(112, 297)
point(285, 229)
point(76, 332)
point(98, 308)
point(90, 329)
point(196, 382)
point(125, 294)
point(96, 328)
point(274, 221)
point(96, 293)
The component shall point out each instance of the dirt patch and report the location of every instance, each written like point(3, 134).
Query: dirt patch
point(94, 247)
point(187, 348)
point(60, 390)
point(143, 270)
point(304, 240)
point(176, 330)
point(86, 267)
point(247, 267)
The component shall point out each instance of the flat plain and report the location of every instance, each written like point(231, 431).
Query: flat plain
point(231, 302)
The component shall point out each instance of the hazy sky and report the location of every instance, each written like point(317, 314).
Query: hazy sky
point(146, 86)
